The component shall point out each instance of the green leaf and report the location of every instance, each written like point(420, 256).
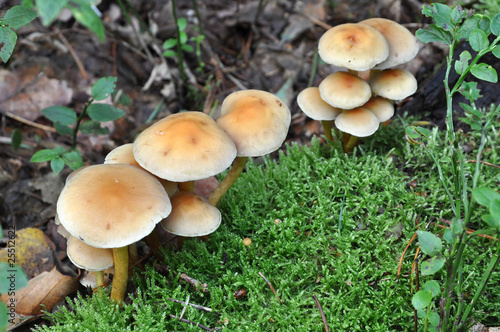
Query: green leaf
point(429, 243)
point(12, 277)
point(183, 37)
point(104, 112)
point(478, 40)
point(62, 129)
point(496, 51)
point(169, 43)
point(470, 91)
point(18, 16)
point(423, 131)
point(170, 53)
point(463, 63)
point(495, 25)
point(457, 14)
point(485, 72)
point(434, 318)
point(441, 15)
point(421, 313)
point(485, 196)
point(484, 24)
point(48, 10)
point(103, 88)
point(434, 34)
point(466, 107)
point(182, 23)
point(457, 226)
point(432, 265)
point(44, 155)
point(491, 221)
point(432, 287)
point(16, 138)
point(469, 25)
point(412, 133)
point(448, 236)
point(57, 165)
point(8, 39)
point(495, 209)
point(187, 48)
point(422, 299)
point(61, 114)
point(88, 18)
point(73, 159)
point(94, 128)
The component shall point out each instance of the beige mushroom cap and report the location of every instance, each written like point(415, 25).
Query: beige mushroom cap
point(353, 46)
point(256, 120)
point(87, 257)
point(344, 90)
point(191, 216)
point(310, 102)
point(112, 206)
point(359, 122)
point(381, 107)
point(403, 45)
point(124, 154)
point(395, 84)
point(183, 147)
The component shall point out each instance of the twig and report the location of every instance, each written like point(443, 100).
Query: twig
point(184, 320)
point(193, 282)
point(484, 163)
point(270, 286)
point(72, 51)
point(185, 306)
point(403, 256)
point(28, 122)
point(469, 230)
point(321, 313)
point(196, 306)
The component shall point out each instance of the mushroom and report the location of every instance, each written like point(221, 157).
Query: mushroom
point(354, 46)
point(257, 121)
point(393, 84)
point(184, 147)
point(112, 206)
point(357, 122)
point(344, 90)
point(381, 107)
point(310, 102)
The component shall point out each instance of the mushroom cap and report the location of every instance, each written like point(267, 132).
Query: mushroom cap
point(403, 45)
point(344, 90)
point(395, 84)
point(124, 154)
point(183, 147)
point(256, 120)
point(353, 46)
point(192, 215)
point(359, 122)
point(310, 102)
point(113, 205)
point(381, 107)
point(87, 257)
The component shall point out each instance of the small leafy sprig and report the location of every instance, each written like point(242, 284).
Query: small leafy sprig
point(14, 18)
point(68, 122)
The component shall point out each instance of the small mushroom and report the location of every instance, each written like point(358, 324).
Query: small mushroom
point(393, 84)
point(381, 107)
point(357, 122)
point(344, 90)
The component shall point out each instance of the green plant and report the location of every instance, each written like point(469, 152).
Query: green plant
point(451, 26)
point(64, 117)
point(14, 18)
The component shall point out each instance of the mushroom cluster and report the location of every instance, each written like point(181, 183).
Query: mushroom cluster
point(356, 101)
point(107, 208)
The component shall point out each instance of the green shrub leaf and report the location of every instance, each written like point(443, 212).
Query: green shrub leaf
point(432, 287)
point(182, 23)
point(94, 128)
point(433, 318)
point(469, 25)
point(496, 51)
point(104, 112)
point(485, 196)
point(44, 155)
point(8, 39)
point(62, 129)
point(448, 235)
point(88, 17)
point(103, 88)
point(491, 221)
point(485, 72)
point(429, 243)
point(432, 265)
point(434, 34)
point(478, 40)
point(495, 25)
point(18, 16)
point(169, 43)
point(169, 53)
point(61, 114)
point(57, 165)
point(421, 299)
point(463, 63)
point(457, 226)
point(49, 10)
point(73, 159)
point(16, 138)
point(441, 15)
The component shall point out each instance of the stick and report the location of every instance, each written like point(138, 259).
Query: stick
point(184, 308)
point(73, 53)
point(193, 282)
point(321, 313)
point(28, 122)
point(270, 286)
point(196, 306)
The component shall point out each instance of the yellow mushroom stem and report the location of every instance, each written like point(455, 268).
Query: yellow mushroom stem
point(120, 256)
point(186, 186)
point(153, 241)
point(348, 142)
point(327, 128)
point(231, 177)
point(99, 278)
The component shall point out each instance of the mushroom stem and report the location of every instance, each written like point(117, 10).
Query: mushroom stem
point(132, 251)
point(327, 128)
point(186, 186)
point(228, 181)
point(153, 241)
point(349, 143)
point(99, 278)
point(120, 278)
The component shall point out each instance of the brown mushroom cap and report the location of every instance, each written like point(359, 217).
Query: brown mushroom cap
point(403, 45)
point(112, 206)
point(359, 122)
point(353, 46)
point(381, 107)
point(87, 257)
point(395, 84)
point(256, 120)
point(310, 102)
point(183, 147)
point(344, 90)
point(192, 215)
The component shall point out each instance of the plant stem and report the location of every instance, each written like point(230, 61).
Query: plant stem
point(180, 57)
point(231, 177)
point(79, 120)
point(120, 256)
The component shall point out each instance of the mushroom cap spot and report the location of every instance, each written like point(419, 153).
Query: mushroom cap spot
point(381, 107)
point(353, 46)
point(344, 90)
point(257, 121)
point(310, 102)
point(395, 84)
point(359, 122)
point(192, 215)
point(120, 196)
point(184, 147)
point(87, 257)
point(403, 45)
